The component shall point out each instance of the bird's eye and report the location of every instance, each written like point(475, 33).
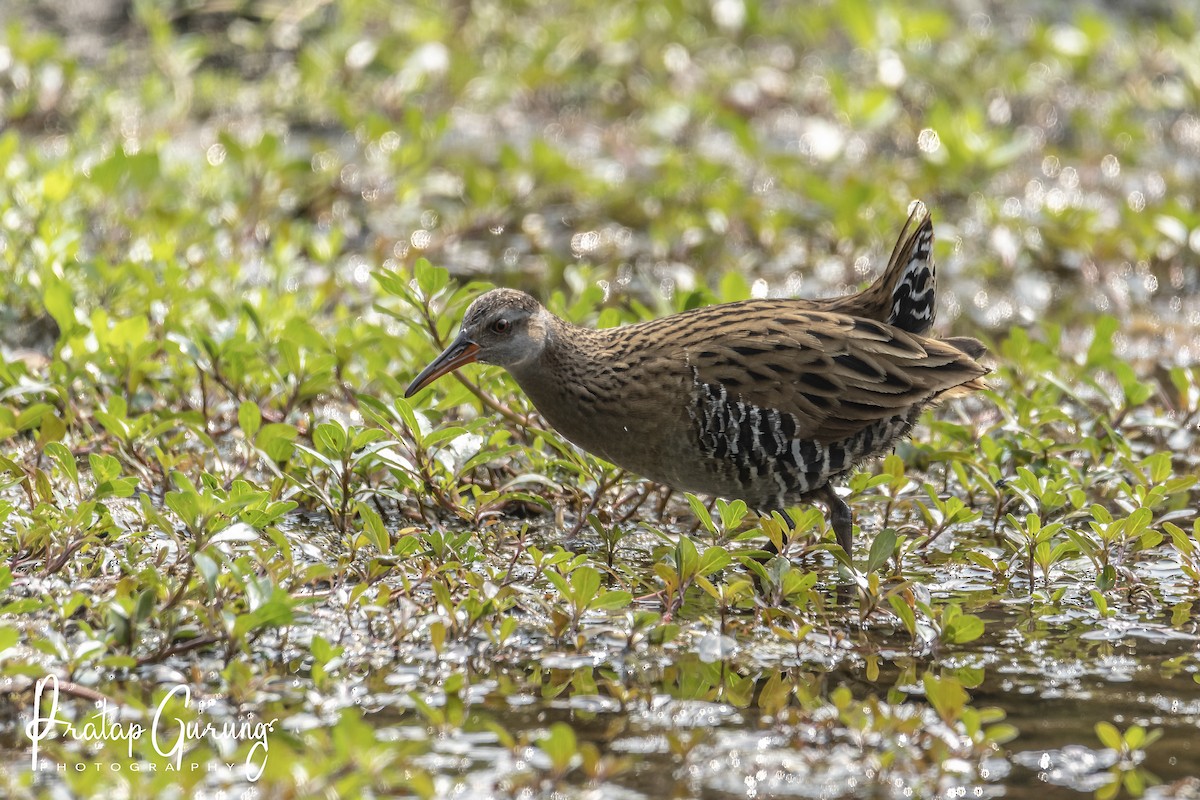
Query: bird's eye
point(501, 325)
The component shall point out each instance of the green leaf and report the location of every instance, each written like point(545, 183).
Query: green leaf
point(560, 746)
point(373, 527)
point(607, 601)
point(1002, 734)
point(31, 417)
point(1110, 790)
point(330, 438)
point(65, 460)
point(323, 651)
point(905, 612)
point(701, 512)
point(365, 436)
point(1133, 782)
point(209, 571)
point(145, 604)
point(276, 440)
point(731, 513)
point(1109, 736)
point(687, 560)
point(971, 678)
point(714, 559)
point(56, 185)
point(585, 582)
point(105, 469)
point(430, 279)
point(946, 695)
point(756, 566)
point(881, 549)
point(733, 287)
point(964, 628)
point(560, 584)
point(60, 303)
point(249, 419)
point(1157, 467)
point(271, 614)
point(140, 169)
point(1135, 737)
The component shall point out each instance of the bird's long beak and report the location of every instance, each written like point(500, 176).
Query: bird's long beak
point(461, 351)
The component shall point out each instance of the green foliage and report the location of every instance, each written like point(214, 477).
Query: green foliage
point(1127, 776)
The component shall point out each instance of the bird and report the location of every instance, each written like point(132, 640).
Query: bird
point(773, 401)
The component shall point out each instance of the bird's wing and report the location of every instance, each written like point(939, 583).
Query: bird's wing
point(833, 374)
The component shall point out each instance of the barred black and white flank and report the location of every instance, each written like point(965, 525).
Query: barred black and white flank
point(765, 400)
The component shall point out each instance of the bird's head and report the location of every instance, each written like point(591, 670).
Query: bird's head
point(505, 327)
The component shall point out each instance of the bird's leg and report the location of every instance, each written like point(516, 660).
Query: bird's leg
point(840, 517)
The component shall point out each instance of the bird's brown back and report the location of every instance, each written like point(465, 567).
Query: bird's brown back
point(832, 372)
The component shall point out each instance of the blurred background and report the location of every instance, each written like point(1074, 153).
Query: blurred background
point(652, 148)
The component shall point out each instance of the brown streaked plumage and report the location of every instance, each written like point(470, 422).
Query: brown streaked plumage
point(765, 400)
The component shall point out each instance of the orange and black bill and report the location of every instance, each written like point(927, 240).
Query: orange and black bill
point(460, 352)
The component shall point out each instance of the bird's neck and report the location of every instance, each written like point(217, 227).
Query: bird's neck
point(574, 387)
point(570, 359)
